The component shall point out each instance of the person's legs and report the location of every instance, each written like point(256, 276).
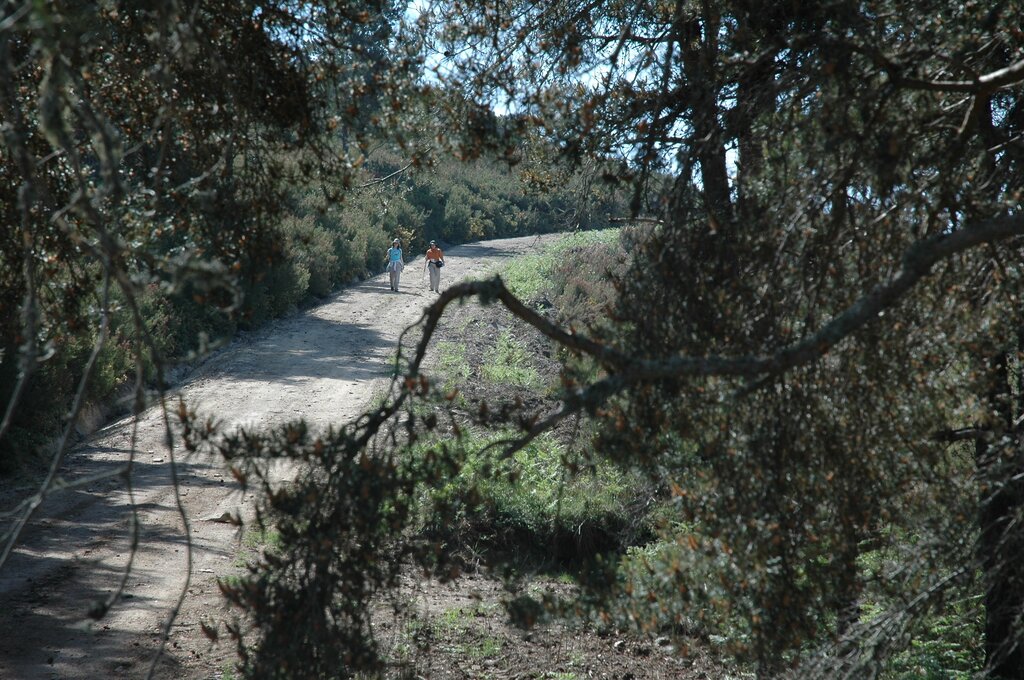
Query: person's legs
point(435, 278)
point(391, 276)
point(398, 275)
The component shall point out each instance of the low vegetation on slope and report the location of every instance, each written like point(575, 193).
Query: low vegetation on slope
point(317, 246)
point(514, 532)
point(620, 528)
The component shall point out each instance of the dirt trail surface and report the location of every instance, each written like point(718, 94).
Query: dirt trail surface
point(323, 365)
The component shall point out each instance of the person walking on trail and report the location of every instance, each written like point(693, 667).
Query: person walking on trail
point(395, 263)
point(433, 264)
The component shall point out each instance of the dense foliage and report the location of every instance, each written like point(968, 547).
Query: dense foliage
point(806, 311)
point(147, 153)
point(815, 350)
point(211, 209)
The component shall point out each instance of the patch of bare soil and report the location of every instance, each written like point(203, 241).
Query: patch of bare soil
point(459, 631)
point(479, 331)
point(324, 365)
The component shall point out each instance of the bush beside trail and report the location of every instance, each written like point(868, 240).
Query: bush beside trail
point(317, 247)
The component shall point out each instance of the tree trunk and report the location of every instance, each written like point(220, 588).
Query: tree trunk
point(1001, 539)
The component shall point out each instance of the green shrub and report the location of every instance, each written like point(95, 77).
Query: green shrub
point(580, 259)
point(275, 292)
point(540, 504)
point(457, 216)
point(508, 363)
point(947, 645)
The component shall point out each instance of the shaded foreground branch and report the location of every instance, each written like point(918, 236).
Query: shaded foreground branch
point(917, 261)
point(50, 481)
point(625, 371)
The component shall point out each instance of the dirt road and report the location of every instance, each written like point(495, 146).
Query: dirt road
point(323, 365)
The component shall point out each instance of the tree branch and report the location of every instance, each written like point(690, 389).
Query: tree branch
point(988, 83)
point(964, 434)
point(917, 262)
point(635, 220)
point(381, 180)
point(981, 85)
point(51, 476)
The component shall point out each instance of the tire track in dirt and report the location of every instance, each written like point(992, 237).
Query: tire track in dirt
point(324, 364)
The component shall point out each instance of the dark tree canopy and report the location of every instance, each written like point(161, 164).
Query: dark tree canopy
point(805, 339)
point(153, 145)
point(817, 349)
point(147, 151)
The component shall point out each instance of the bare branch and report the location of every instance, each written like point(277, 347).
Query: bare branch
point(964, 434)
point(29, 352)
point(381, 180)
point(1011, 75)
point(51, 477)
point(15, 16)
point(145, 338)
point(15, 134)
point(986, 84)
point(180, 506)
point(917, 263)
point(635, 220)
point(127, 471)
